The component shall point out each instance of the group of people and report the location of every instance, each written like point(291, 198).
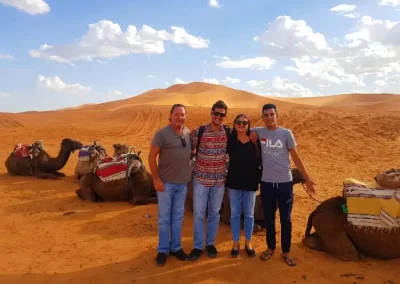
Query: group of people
point(214, 157)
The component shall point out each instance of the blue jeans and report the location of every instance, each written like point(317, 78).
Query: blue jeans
point(270, 193)
point(171, 208)
point(203, 197)
point(237, 200)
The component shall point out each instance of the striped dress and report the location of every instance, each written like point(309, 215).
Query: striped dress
point(210, 166)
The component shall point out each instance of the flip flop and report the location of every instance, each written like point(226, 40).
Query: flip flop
point(289, 261)
point(266, 255)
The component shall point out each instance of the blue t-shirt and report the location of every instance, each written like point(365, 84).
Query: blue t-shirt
point(275, 146)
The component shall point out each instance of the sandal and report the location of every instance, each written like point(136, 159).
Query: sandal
point(266, 255)
point(289, 261)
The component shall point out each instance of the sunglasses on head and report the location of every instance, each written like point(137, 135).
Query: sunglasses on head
point(244, 122)
point(183, 141)
point(220, 114)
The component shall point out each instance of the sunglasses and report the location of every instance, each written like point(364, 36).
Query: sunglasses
point(220, 114)
point(244, 122)
point(183, 141)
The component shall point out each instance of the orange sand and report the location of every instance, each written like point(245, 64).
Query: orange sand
point(338, 136)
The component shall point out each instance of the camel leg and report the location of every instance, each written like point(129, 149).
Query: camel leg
point(9, 170)
point(45, 175)
point(86, 192)
point(59, 174)
point(143, 200)
point(226, 210)
point(314, 242)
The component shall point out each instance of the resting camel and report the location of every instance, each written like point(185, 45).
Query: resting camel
point(42, 165)
point(136, 185)
point(226, 208)
point(334, 234)
point(92, 155)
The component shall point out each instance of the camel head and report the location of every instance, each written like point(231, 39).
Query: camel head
point(136, 165)
point(120, 149)
point(297, 176)
point(70, 145)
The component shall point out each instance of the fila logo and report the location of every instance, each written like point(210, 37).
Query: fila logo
point(268, 143)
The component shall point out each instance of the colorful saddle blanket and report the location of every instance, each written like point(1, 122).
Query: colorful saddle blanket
point(111, 169)
point(370, 205)
point(87, 150)
point(24, 150)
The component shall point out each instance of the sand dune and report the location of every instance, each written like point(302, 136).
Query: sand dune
point(338, 136)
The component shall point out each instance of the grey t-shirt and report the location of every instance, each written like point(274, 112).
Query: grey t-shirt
point(275, 146)
point(174, 158)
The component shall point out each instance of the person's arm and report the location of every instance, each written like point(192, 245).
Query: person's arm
point(155, 148)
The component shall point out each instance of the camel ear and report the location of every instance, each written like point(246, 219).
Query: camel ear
point(139, 153)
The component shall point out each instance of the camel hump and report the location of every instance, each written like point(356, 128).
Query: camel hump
point(389, 179)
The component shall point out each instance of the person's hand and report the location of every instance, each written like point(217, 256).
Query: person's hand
point(159, 185)
point(253, 137)
point(310, 187)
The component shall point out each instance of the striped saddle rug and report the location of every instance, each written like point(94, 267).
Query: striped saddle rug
point(112, 169)
point(370, 205)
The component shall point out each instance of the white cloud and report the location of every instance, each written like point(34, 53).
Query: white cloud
point(211, 81)
point(151, 76)
point(167, 83)
point(214, 3)
point(56, 84)
point(257, 63)
point(346, 10)
point(280, 87)
point(389, 3)
point(231, 80)
point(293, 38)
point(6, 56)
point(115, 92)
point(180, 81)
point(32, 7)
point(4, 95)
point(380, 83)
point(343, 8)
point(106, 40)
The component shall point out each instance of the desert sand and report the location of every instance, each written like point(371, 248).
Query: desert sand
point(48, 235)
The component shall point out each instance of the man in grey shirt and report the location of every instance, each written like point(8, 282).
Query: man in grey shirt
point(277, 143)
point(172, 146)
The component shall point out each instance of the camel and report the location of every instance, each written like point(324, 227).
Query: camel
point(42, 165)
point(135, 184)
point(334, 234)
point(226, 208)
point(90, 155)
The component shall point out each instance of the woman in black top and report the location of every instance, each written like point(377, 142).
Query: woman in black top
point(244, 173)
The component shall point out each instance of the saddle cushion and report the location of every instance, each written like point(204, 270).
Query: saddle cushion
point(111, 169)
point(84, 153)
point(370, 205)
point(23, 150)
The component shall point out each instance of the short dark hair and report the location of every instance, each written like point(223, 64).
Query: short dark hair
point(220, 104)
point(268, 106)
point(175, 106)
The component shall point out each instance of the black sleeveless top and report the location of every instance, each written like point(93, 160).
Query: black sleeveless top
point(243, 171)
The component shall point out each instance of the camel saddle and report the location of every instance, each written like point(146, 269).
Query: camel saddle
point(371, 205)
point(85, 153)
point(25, 150)
point(114, 168)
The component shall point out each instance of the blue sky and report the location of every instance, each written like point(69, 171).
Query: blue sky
point(56, 54)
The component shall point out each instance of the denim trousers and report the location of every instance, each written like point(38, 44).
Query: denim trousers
point(270, 193)
point(171, 208)
point(239, 199)
point(206, 198)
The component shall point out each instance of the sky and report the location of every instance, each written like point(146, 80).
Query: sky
point(56, 54)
